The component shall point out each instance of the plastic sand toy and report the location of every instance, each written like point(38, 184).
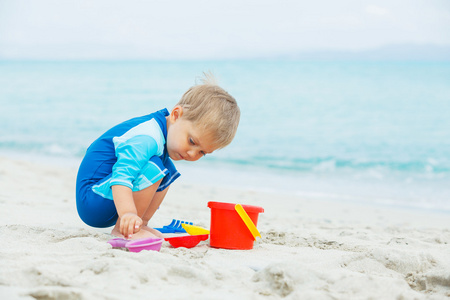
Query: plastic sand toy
point(233, 226)
point(153, 244)
point(187, 241)
point(174, 227)
point(195, 230)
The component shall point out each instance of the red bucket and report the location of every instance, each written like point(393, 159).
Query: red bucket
point(228, 230)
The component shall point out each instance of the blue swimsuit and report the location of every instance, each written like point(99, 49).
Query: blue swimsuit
point(132, 154)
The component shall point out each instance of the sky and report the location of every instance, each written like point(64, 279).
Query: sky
point(204, 29)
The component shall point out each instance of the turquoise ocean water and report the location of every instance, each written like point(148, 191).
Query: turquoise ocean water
point(347, 131)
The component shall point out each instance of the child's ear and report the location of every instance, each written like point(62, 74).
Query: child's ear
point(176, 113)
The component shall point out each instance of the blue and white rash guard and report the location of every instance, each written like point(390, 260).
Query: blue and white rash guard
point(132, 154)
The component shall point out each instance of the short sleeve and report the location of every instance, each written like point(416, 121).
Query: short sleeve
point(132, 156)
point(172, 175)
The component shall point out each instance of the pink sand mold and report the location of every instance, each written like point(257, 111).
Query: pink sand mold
point(137, 245)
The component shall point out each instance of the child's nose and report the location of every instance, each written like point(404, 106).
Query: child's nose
point(194, 155)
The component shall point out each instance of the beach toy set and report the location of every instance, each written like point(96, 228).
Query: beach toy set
point(196, 235)
point(233, 226)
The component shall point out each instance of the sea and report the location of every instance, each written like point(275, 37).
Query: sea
point(373, 132)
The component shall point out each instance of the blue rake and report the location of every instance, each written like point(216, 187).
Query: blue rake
point(174, 227)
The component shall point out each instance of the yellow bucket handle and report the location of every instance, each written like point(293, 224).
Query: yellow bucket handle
point(244, 216)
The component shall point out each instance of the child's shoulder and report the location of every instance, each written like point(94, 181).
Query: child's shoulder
point(159, 116)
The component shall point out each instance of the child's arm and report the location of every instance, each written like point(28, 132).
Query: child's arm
point(126, 209)
point(132, 155)
point(154, 205)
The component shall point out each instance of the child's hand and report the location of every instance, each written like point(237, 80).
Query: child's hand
point(130, 223)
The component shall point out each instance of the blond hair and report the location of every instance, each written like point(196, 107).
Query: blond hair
point(211, 108)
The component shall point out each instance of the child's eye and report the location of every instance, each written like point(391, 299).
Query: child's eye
point(191, 141)
point(203, 153)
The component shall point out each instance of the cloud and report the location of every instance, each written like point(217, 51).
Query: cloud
point(201, 29)
point(377, 10)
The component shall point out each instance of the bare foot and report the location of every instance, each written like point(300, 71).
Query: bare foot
point(116, 232)
point(153, 231)
point(141, 234)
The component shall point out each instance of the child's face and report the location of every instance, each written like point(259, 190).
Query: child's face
point(184, 140)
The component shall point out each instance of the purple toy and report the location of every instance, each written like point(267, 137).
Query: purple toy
point(137, 245)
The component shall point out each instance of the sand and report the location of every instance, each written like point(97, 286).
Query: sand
point(310, 249)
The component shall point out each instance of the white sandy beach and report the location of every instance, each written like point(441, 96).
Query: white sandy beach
point(309, 249)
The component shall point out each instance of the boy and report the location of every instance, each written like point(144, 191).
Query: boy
point(126, 172)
